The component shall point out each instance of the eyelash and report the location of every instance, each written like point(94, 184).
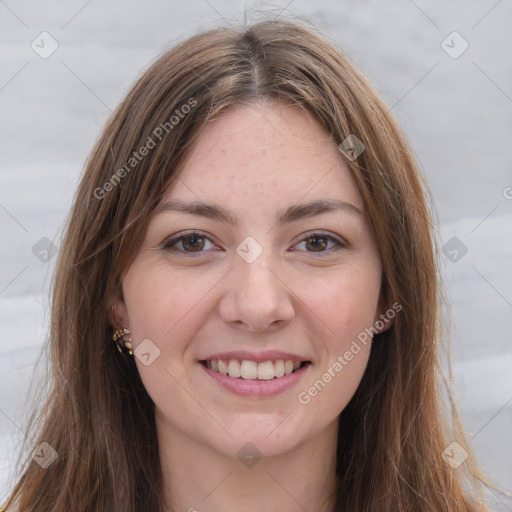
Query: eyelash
point(170, 243)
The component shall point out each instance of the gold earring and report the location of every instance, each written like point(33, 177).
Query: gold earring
point(119, 335)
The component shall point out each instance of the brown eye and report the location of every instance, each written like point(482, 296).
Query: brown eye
point(321, 244)
point(318, 243)
point(188, 243)
point(193, 243)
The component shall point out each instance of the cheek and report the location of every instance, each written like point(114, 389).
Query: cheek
point(160, 307)
point(161, 303)
point(345, 304)
point(350, 311)
point(343, 308)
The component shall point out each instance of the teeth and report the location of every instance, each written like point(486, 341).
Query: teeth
point(251, 370)
point(223, 367)
point(234, 369)
point(266, 370)
point(279, 368)
point(248, 369)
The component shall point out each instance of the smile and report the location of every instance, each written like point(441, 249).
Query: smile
point(251, 379)
point(252, 370)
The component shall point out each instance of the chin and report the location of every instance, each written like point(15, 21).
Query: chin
point(267, 436)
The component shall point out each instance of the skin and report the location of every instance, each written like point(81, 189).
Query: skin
point(253, 160)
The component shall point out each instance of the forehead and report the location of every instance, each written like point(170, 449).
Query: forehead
point(270, 152)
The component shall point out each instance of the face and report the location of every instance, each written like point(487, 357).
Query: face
point(275, 270)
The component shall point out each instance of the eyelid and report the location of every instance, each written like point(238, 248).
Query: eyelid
point(326, 234)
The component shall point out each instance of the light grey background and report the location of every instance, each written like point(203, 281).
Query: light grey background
point(457, 113)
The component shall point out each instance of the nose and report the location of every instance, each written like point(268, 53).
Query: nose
point(257, 298)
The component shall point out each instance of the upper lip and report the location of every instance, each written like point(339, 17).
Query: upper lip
point(258, 357)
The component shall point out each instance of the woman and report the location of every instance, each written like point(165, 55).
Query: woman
point(245, 309)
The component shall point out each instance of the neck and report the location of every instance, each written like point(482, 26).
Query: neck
point(197, 477)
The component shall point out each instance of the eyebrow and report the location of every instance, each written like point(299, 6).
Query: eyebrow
point(283, 216)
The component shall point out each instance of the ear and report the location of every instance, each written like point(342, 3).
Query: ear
point(118, 313)
point(385, 315)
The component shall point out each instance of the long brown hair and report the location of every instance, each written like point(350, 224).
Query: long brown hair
point(99, 418)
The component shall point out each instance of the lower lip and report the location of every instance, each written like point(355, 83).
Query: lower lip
point(257, 388)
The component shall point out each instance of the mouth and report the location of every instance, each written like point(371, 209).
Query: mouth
point(252, 370)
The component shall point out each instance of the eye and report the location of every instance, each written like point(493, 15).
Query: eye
point(191, 242)
point(319, 243)
point(195, 242)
